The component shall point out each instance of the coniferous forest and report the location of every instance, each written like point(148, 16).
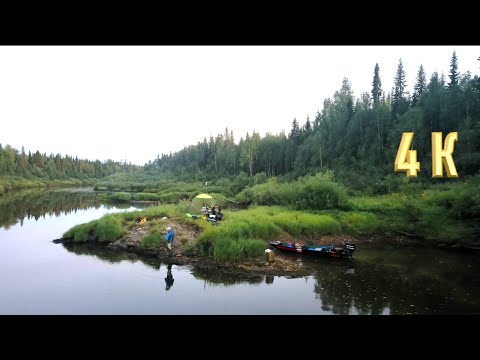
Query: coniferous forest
point(357, 138)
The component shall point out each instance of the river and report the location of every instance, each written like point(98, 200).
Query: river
point(40, 277)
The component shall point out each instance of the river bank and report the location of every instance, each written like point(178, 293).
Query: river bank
point(182, 252)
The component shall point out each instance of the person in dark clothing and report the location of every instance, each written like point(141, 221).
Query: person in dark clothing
point(218, 214)
point(169, 279)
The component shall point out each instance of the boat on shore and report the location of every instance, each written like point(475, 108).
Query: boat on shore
point(346, 251)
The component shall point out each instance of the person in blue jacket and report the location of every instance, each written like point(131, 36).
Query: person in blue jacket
point(170, 236)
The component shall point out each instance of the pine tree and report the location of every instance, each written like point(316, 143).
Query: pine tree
point(420, 86)
point(295, 132)
point(308, 125)
point(377, 85)
point(454, 74)
point(398, 96)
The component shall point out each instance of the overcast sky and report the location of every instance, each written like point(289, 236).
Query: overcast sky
point(134, 102)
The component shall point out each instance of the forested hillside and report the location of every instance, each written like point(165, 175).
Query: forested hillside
point(358, 138)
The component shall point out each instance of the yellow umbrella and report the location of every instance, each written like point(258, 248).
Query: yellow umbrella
point(203, 196)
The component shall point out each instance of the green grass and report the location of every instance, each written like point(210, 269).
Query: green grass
point(298, 223)
point(145, 197)
point(234, 250)
point(448, 214)
point(109, 229)
point(360, 223)
point(119, 196)
point(154, 239)
point(82, 232)
point(106, 229)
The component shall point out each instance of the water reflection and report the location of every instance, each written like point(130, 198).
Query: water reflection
point(269, 279)
point(217, 277)
point(378, 280)
point(211, 277)
point(169, 280)
point(407, 282)
point(110, 255)
point(15, 206)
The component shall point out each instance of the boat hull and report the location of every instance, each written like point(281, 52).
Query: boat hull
point(317, 250)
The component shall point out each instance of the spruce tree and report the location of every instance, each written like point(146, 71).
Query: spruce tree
point(453, 71)
point(398, 96)
point(420, 85)
point(377, 85)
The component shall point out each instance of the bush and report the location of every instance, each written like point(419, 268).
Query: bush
point(322, 195)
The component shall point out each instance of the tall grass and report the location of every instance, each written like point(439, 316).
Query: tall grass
point(360, 223)
point(298, 223)
point(239, 225)
point(154, 239)
point(109, 229)
point(145, 196)
point(446, 214)
point(106, 229)
point(234, 250)
point(82, 232)
point(119, 196)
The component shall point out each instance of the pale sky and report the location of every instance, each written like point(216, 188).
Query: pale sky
point(134, 102)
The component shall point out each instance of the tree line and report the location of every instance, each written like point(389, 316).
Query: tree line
point(52, 167)
point(358, 138)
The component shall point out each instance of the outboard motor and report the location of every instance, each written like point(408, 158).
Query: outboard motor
point(349, 248)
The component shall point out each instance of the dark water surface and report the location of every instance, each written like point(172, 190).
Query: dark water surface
point(39, 277)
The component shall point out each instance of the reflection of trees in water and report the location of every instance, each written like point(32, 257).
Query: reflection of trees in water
point(406, 286)
point(16, 206)
point(110, 255)
point(342, 287)
point(211, 277)
point(215, 277)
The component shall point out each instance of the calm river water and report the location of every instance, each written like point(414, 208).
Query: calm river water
point(40, 277)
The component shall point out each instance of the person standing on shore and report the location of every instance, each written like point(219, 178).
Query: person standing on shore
point(170, 236)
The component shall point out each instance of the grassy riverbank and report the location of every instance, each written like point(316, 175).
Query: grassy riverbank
point(446, 214)
point(442, 216)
